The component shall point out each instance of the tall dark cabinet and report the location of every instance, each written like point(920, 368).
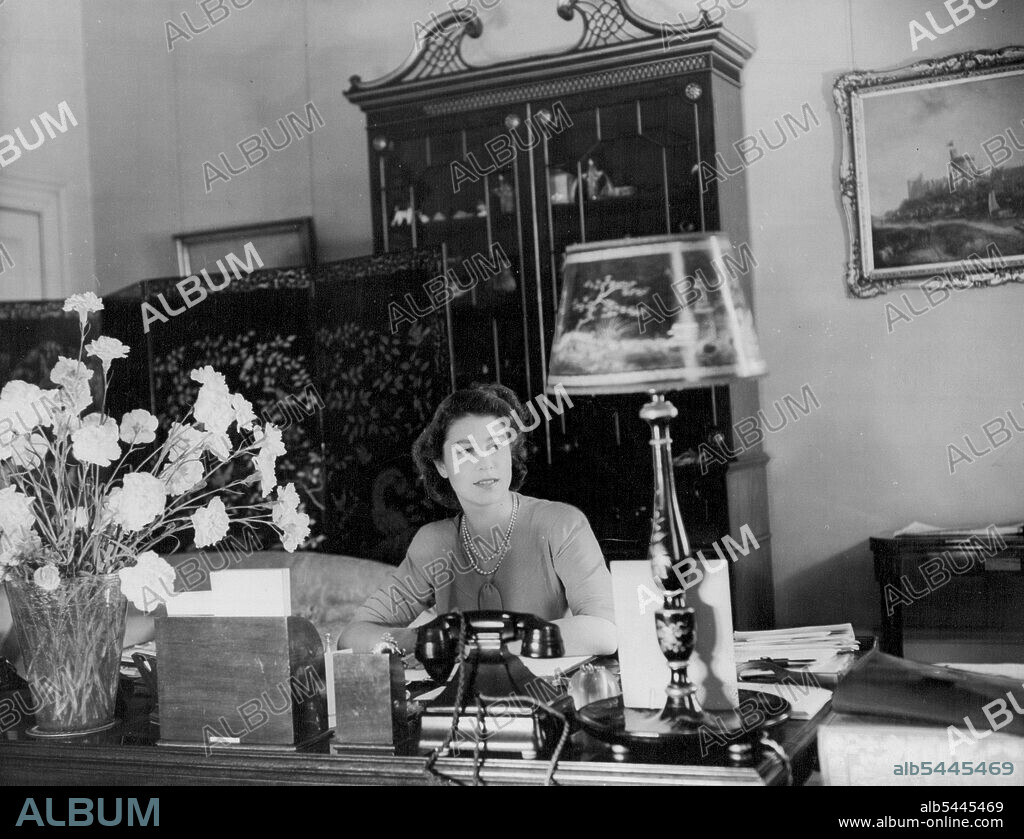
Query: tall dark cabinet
point(503, 166)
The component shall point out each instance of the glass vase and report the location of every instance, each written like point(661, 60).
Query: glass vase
point(71, 640)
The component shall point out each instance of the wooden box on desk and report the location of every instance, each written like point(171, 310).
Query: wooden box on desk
point(369, 703)
point(241, 682)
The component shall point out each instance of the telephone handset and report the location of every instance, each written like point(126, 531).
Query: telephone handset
point(437, 642)
point(492, 677)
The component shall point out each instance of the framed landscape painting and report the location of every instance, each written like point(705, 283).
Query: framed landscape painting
point(932, 175)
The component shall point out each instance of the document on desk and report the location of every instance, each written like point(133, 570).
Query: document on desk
point(252, 592)
point(916, 528)
point(547, 668)
point(809, 645)
point(804, 700)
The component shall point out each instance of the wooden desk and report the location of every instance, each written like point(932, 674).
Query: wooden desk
point(127, 756)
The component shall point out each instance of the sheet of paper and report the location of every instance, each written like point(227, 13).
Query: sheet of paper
point(189, 603)
point(916, 528)
point(844, 630)
point(806, 701)
point(332, 710)
point(642, 666)
point(148, 648)
point(252, 593)
point(543, 667)
point(1010, 670)
point(548, 667)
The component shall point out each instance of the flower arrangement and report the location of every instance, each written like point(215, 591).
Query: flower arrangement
point(88, 495)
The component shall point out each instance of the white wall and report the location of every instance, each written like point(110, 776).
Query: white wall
point(159, 113)
point(874, 457)
point(41, 65)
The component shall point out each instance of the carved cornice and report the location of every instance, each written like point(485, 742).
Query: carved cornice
point(568, 85)
point(616, 46)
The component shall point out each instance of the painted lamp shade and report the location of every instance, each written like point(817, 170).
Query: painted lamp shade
point(653, 313)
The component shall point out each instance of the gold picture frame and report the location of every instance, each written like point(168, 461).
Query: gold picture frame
point(932, 173)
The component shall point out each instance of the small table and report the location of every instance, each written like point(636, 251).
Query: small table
point(954, 585)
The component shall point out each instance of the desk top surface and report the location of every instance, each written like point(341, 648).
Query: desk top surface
point(129, 755)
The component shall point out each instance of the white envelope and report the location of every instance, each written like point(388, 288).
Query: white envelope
point(643, 669)
point(252, 593)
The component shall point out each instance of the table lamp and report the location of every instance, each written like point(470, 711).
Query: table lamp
point(648, 315)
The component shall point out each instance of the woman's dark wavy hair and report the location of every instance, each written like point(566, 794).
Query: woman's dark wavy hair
point(477, 400)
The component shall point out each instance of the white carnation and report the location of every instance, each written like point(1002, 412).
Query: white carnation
point(149, 582)
point(142, 499)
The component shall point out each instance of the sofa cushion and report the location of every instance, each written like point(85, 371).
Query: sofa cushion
point(326, 588)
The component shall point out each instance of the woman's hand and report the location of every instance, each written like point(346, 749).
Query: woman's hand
point(362, 637)
point(587, 635)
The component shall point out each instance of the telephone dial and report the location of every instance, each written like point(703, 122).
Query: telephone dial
point(492, 699)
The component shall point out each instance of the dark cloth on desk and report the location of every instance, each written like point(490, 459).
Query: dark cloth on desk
point(886, 686)
point(554, 567)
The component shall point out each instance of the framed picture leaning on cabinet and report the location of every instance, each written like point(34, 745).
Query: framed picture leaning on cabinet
point(290, 243)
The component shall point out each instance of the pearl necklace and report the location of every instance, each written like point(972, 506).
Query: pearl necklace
point(475, 558)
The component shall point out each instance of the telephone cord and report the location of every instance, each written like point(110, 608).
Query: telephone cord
point(459, 700)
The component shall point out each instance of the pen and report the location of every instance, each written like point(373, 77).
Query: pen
point(785, 662)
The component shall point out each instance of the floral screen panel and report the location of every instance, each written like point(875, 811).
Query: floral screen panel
point(35, 335)
point(322, 353)
point(257, 331)
point(129, 385)
point(384, 369)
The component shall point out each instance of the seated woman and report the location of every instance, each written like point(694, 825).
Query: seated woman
point(502, 550)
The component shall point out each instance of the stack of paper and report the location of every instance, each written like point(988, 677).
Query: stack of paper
point(815, 650)
point(801, 645)
point(916, 528)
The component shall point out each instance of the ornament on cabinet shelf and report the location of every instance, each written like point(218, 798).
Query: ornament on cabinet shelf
point(562, 186)
point(402, 216)
point(599, 184)
point(506, 281)
point(506, 195)
point(612, 191)
point(595, 180)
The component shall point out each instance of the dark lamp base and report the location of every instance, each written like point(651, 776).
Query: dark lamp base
point(710, 737)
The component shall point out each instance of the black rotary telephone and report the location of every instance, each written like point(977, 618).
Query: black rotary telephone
point(493, 692)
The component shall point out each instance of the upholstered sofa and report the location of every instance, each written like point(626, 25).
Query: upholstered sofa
point(326, 588)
